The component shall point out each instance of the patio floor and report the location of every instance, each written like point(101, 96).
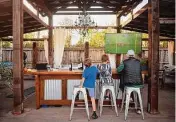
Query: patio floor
point(61, 114)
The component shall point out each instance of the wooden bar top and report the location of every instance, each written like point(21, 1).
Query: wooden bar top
point(62, 72)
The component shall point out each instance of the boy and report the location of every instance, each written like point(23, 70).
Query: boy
point(88, 81)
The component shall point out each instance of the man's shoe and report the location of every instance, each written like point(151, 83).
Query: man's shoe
point(94, 116)
point(138, 111)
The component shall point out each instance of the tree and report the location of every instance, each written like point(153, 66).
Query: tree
point(80, 43)
point(68, 41)
point(95, 39)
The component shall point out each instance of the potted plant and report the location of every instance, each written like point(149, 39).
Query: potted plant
point(144, 63)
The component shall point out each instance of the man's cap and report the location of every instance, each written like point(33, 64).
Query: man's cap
point(130, 53)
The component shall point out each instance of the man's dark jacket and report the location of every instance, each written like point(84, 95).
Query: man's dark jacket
point(131, 74)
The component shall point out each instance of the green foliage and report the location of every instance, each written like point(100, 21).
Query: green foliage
point(29, 35)
point(97, 40)
point(94, 37)
point(80, 43)
point(68, 41)
point(27, 44)
point(6, 44)
point(164, 44)
point(144, 61)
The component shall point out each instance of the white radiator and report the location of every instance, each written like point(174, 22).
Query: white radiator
point(52, 89)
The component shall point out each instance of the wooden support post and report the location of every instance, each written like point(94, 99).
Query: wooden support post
point(118, 56)
point(18, 56)
point(153, 29)
point(50, 41)
point(174, 54)
point(35, 55)
point(37, 91)
point(118, 25)
point(64, 89)
point(86, 50)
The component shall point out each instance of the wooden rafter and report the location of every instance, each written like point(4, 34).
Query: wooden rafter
point(41, 4)
point(34, 16)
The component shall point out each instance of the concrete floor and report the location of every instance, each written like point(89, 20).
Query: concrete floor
point(61, 114)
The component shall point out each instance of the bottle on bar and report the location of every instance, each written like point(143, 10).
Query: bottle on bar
point(82, 65)
point(71, 67)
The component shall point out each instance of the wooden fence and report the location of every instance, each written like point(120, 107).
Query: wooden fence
point(75, 55)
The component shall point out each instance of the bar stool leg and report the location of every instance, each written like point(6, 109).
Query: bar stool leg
point(114, 101)
point(86, 104)
point(123, 99)
point(135, 99)
point(127, 102)
point(111, 96)
point(140, 101)
point(102, 98)
point(73, 102)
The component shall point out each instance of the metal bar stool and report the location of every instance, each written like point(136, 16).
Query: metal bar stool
point(75, 91)
point(126, 95)
point(113, 98)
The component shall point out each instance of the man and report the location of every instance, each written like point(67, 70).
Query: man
point(130, 70)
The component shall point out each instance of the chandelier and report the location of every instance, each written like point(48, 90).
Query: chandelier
point(83, 22)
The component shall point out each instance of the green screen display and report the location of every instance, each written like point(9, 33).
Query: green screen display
point(120, 43)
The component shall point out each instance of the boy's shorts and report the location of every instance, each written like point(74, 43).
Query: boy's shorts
point(91, 92)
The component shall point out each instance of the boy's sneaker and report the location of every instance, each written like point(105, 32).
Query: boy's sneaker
point(94, 115)
point(106, 97)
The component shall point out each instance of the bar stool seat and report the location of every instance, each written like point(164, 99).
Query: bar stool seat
point(112, 95)
point(126, 95)
point(75, 91)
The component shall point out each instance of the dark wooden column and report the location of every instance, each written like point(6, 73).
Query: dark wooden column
point(35, 55)
point(174, 54)
point(153, 30)
point(86, 50)
point(118, 31)
point(18, 56)
point(50, 41)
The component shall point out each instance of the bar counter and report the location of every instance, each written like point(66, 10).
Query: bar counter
point(55, 87)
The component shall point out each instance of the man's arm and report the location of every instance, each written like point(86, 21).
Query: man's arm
point(120, 67)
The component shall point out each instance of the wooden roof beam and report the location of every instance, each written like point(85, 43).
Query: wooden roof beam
point(2, 1)
point(25, 28)
point(167, 20)
point(5, 34)
point(90, 13)
point(89, 9)
point(144, 8)
point(90, 27)
point(24, 39)
point(34, 16)
point(41, 4)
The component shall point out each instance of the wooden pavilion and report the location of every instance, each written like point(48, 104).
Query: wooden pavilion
point(156, 19)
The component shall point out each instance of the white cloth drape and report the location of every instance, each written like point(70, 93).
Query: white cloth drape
point(59, 37)
point(170, 52)
point(46, 49)
point(112, 60)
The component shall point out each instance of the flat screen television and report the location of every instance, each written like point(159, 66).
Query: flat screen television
point(120, 43)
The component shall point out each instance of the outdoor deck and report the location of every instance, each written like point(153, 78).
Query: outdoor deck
point(61, 114)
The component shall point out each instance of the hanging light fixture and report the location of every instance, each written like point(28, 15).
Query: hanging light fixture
point(83, 22)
